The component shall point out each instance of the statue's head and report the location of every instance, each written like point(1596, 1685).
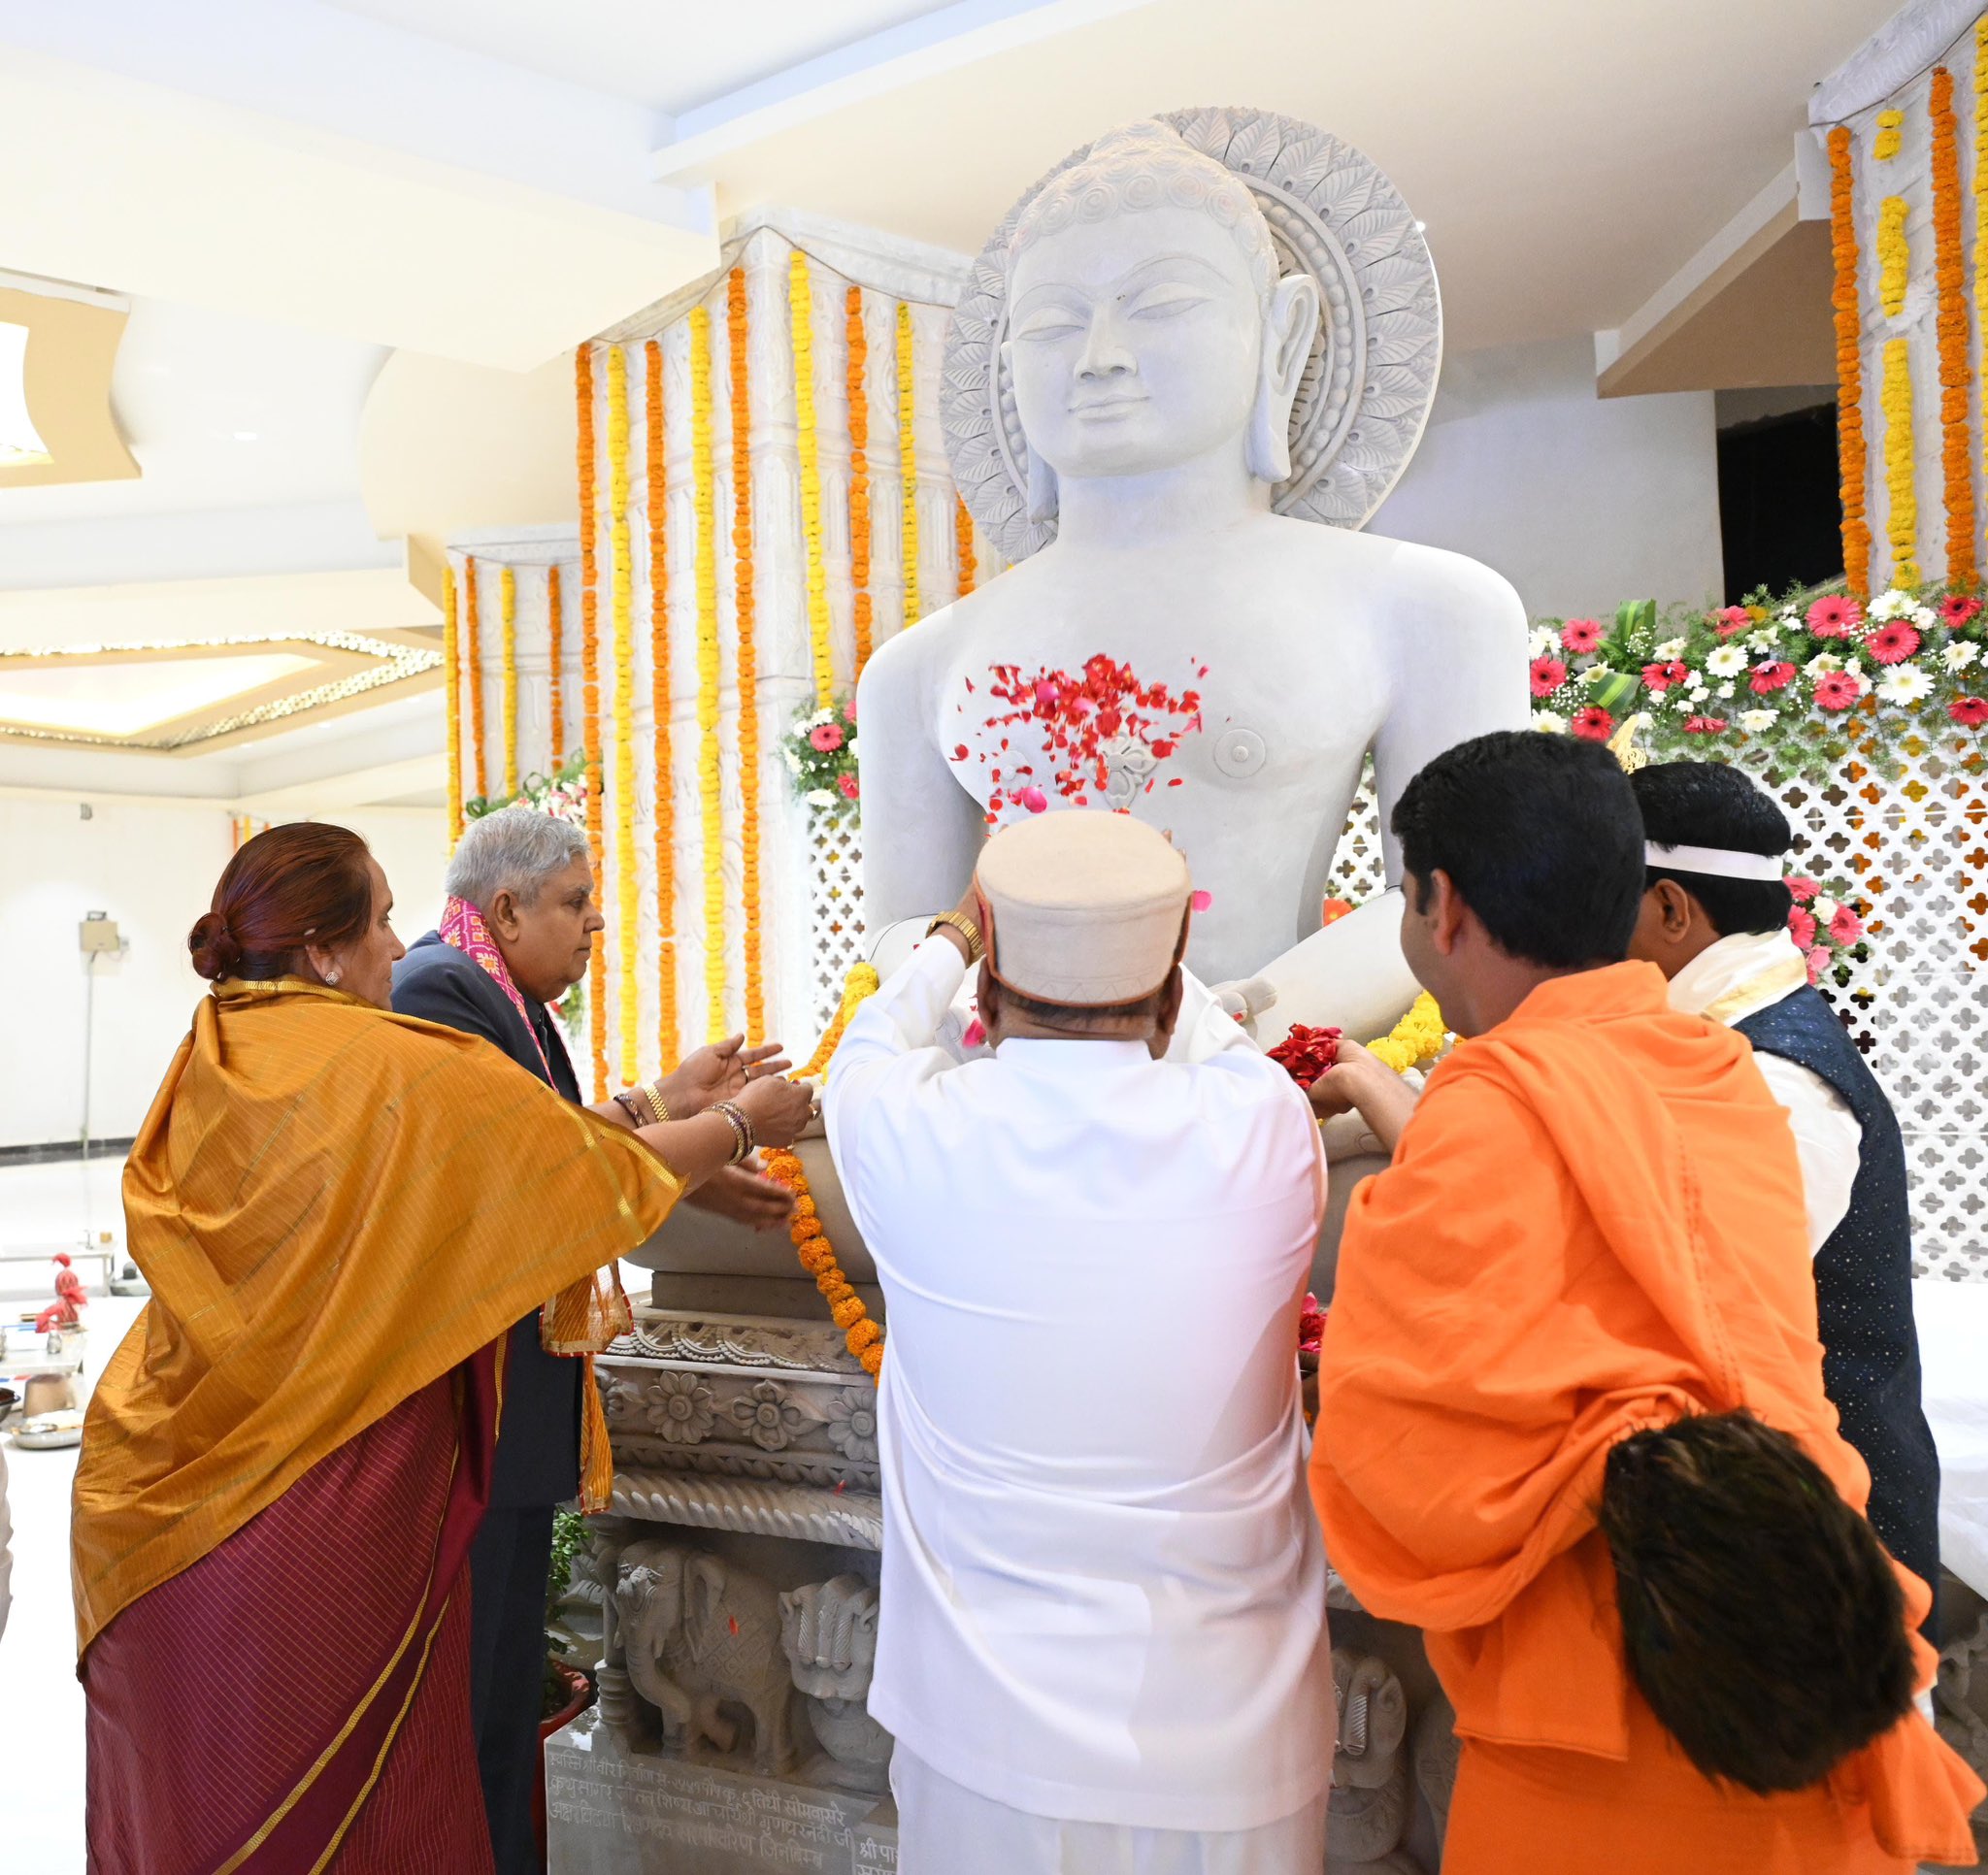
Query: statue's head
point(1148, 326)
point(828, 1630)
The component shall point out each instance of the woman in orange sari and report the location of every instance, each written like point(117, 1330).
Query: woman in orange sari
point(341, 1212)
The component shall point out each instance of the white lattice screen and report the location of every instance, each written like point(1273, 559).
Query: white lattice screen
point(1916, 849)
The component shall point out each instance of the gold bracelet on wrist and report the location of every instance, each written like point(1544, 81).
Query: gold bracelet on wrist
point(743, 1134)
point(976, 947)
point(652, 1093)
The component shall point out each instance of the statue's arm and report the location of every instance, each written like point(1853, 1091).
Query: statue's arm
point(921, 830)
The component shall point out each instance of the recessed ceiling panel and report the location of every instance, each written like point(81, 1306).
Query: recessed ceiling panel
point(128, 699)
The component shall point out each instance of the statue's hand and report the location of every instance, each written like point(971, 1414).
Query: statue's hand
point(1246, 999)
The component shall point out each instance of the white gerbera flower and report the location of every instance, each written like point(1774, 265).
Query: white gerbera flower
point(1596, 673)
point(1905, 684)
point(1540, 642)
point(1671, 647)
point(1724, 691)
point(1550, 723)
point(791, 757)
point(1753, 721)
point(819, 797)
point(1725, 660)
point(1764, 641)
point(1925, 617)
point(1889, 604)
point(1695, 688)
point(1822, 664)
point(1961, 654)
point(1825, 910)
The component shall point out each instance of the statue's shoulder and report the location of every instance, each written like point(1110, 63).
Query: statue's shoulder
point(1437, 595)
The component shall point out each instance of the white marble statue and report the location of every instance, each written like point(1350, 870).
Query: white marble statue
point(1155, 353)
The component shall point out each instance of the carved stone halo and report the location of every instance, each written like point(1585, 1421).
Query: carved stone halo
point(1367, 386)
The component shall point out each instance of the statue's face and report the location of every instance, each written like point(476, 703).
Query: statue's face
point(1134, 343)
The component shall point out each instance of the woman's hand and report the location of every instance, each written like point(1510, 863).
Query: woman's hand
point(745, 1196)
point(779, 1109)
point(719, 1072)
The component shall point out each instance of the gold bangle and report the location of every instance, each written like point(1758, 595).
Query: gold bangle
point(976, 947)
point(742, 1130)
point(652, 1093)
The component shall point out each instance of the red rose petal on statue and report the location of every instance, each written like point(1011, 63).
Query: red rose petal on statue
point(1203, 900)
point(959, 751)
point(1034, 800)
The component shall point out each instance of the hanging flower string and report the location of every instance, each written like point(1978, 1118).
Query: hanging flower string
point(506, 620)
point(1886, 145)
point(555, 655)
point(590, 703)
point(801, 318)
point(1981, 190)
point(711, 805)
point(1843, 300)
point(669, 1039)
point(1956, 378)
point(745, 656)
point(962, 540)
point(862, 981)
point(451, 684)
point(1895, 399)
point(1894, 256)
point(908, 464)
point(475, 671)
point(858, 395)
point(621, 599)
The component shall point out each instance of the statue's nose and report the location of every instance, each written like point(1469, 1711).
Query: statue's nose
point(1106, 353)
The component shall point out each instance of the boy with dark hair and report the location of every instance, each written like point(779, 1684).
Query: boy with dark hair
point(1714, 920)
point(1572, 1420)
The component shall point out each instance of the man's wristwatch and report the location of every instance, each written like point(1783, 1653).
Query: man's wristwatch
point(967, 929)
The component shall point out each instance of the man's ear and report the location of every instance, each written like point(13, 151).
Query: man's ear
point(1446, 912)
point(987, 998)
point(1677, 909)
point(1169, 1012)
point(502, 916)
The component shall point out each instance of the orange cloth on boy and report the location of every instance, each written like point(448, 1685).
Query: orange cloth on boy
point(1594, 1224)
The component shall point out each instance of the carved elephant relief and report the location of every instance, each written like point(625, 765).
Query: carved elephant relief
point(829, 1631)
point(702, 1638)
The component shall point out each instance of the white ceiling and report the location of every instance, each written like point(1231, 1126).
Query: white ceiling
point(671, 56)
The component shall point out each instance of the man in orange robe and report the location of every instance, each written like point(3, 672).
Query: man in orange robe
point(1593, 1227)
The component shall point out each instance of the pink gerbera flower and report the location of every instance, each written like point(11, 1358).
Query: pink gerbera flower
point(1581, 635)
point(1775, 674)
point(1800, 888)
point(1818, 961)
point(1892, 644)
point(1970, 713)
point(1845, 927)
point(847, 784)
point(826, 737)
point(1835, 616)
point(1801, 927)
point(1659, 677)
point(1731, 620)
point(1838, 690)
point(849, 708)
point(1703, 725)
point(1593, 724)
point(1547, 676)
point(1957, 609)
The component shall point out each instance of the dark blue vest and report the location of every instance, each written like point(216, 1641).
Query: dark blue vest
point(1864, 1289)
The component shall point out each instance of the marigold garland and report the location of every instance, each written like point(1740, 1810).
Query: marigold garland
point(858, 394)
point(801, 318)
point(669, 1039)
point(590, 702)
point(473, 632)
point(451, 688)
point(963, 539)
point(1955, 457)
point(908, 463)
point(1415, 1037)
point(621, 602)
point(711, 805)
point(1894, 256)
point(1895, 398)
point(1981, 190)
point(506, 620)
point(555, 654)
point(1844, 299)
point(1886, 146)
point(862, 981)
point(746, 655)
point(863, 1337)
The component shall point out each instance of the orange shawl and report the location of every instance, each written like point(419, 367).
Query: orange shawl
point(1594, 1223)
point(334, 1205)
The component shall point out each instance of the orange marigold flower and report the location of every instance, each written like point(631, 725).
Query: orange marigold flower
point(864, 1334)
point(804, 1206)
point(804, 1228)
point(871, 1359)
point(847, 1312)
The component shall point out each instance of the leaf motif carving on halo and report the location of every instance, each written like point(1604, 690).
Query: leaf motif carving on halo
point(1381, 402)
point(1397, 339)
point(1253, 150)
point(1293, 157)
point(1343, 191)
point(1328, 159)
point(1208, 131)
point(1374, 232)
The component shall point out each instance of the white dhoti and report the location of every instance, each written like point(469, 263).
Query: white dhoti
point(943, 1828)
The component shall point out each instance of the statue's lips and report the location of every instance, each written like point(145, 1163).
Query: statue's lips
point(1106, 408)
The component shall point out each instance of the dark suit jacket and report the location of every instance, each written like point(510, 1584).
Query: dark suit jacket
point(538, 1445)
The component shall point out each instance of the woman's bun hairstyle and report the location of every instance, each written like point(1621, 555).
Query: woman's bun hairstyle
point(213, 947)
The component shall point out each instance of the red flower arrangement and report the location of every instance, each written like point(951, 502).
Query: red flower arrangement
point(1801, 927)
point(1310, 1326)
point(1835, 616)
point(1305, 1053)
point(1704, 725)
point(1845, 927)
point(1659, 677)
point(1581, 635)
point(1593, 724)
point(1775, 674)
point(1547, 675)
point(852, 788)
point(1892, 644)
point(826, 737)
point(1729, 621)
point(1970, 713)
point(1800, 888)
point(1957, 609)
point(1837, 690)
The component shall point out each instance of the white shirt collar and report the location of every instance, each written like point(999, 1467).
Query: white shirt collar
point(1065, 1057)
point(1744, 973)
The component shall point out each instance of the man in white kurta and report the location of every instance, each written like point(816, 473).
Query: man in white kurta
point(1102, 1643)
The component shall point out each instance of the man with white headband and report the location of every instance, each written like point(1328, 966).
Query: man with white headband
point(1102, 1642)
point(1714, 920)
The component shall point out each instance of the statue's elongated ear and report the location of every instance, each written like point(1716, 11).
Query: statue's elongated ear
point(1042, 478)
point(1288, 330)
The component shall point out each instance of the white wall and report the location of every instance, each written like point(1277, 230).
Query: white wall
point(1581, 501)
point(152, 866)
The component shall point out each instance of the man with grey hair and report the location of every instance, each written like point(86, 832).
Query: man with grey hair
point(517, 934)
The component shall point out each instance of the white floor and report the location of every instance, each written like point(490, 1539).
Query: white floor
point(41, 1704)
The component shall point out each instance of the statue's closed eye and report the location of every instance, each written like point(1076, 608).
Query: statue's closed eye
point(1167, 302)
point(1052, 323)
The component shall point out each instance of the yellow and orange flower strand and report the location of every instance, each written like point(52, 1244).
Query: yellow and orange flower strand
point(669, 1039)
point(801, 316)
point(473, 632)
point(1843, 300)
point(963, 539)
point(711, 803)
point(1895, 398)
point(1955, 377)
point(507, 623)
point(746, 654)
point(1886, 146)
point(858, 394)
point(1981, 190)
point(863, 1337)
point(1894, 256)
point(621, 602)
point(590, 702)
point(555, 654)
point(451, 685)
point(908, 462)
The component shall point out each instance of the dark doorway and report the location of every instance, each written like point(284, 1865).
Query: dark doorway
point(1780, 512)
